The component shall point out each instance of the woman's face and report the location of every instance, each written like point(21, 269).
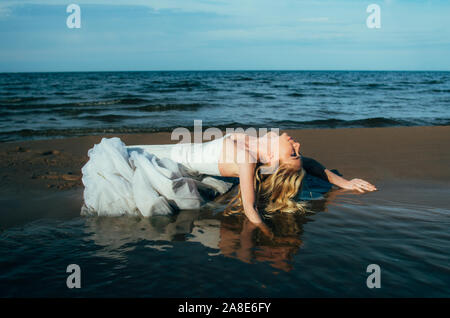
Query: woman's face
point(289, 151)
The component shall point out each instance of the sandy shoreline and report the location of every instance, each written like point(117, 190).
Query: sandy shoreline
point(372, 153)
point(50, 170)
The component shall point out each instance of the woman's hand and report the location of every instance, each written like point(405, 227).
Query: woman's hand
point(358, 185)
point(354, 184)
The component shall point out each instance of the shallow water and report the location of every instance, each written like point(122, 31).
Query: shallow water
point(404, 228)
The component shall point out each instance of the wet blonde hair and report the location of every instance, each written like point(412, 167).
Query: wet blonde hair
point(273, 192)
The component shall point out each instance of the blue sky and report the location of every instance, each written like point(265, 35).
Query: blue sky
point(224, 35)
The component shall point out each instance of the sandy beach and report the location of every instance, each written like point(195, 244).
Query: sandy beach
point(50, 170)
point(375, 154)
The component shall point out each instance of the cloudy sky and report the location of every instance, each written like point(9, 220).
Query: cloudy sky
point(224, 35)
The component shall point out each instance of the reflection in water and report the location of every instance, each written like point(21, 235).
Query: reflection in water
point(231, 236)
point(241, 239)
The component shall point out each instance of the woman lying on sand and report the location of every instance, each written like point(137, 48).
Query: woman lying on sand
point(270, 169)
point(273, 191)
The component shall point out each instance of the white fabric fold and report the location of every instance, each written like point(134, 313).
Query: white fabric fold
point(120, 180)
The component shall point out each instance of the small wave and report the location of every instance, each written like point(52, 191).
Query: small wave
point(110, 118)
point(432, 82)
point(296, 94)
point(21, 100)
point(374, 85)
point(169, 107)
point(73, 132)
point(242, 78)
point(186, 84)
point(380, 86)
point(158, 90)
point(280, 86)
point(122, 101)
point(440, 90)
point(258, 95)
point(341, 123)
point(22, 134)
point(323, 83)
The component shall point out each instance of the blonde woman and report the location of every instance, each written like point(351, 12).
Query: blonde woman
point(273, 191)
point(154, 179)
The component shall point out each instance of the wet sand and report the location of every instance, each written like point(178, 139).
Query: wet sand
point(44, 176)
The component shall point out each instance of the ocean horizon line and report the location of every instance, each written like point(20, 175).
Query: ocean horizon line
point(223, 70)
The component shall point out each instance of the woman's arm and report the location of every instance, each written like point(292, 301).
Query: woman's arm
point(246, 178)
point(315, 168)
point(354, 184)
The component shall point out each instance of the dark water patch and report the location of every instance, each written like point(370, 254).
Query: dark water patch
point(64, 111)
point(122, 101)
point(169, 107)
point(17, 100)
point(296, 95)
point(211, 89)
point(440, 90)
point(340, 123)
point(186, 84)
point(280, 86)
point(432, 82)
point(110, 118)
point(380, 86)
point(119, 95)
point(258, 95)
point(18, 88)
point(13, 83)
point(242, 79)
point(158, 90)
point(323, 83)
point(441, 121)
point(329, 112)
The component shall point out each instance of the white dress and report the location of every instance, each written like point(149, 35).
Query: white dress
point(150, 179)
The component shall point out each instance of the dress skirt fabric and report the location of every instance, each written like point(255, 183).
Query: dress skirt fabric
point(122, 180)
